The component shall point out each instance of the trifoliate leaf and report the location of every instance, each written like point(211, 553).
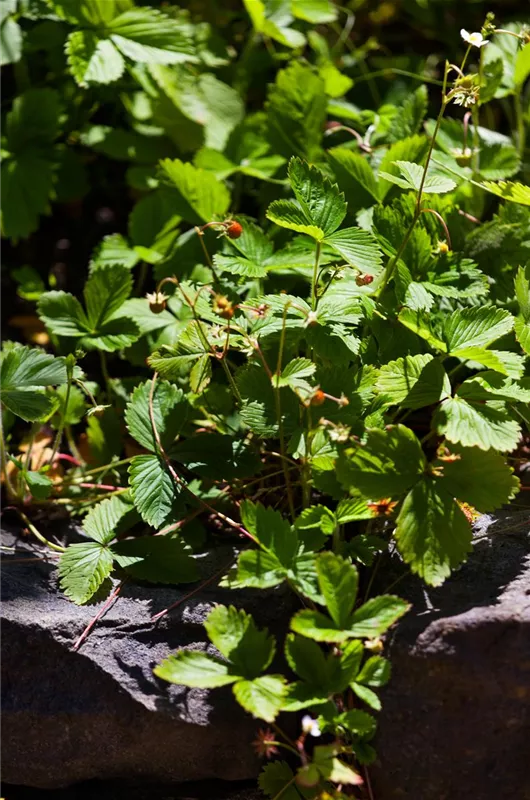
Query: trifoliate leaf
point(412, 179)
point(476, 424)
point(432, 533)
point(195, 669)
point(412, 148)
point(82, 570)
point(414, 381)
point(152, 489)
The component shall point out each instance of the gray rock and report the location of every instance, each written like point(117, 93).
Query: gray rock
point(100, 712)
point(456, 714)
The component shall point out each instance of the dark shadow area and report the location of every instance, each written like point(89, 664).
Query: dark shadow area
point(121, 790)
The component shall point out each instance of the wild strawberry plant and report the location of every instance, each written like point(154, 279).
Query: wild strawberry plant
point(311, 340)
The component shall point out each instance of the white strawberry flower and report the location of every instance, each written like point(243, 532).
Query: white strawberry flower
point(475, 39)
point(310, 725)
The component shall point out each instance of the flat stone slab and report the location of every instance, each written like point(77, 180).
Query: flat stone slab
point(100, 712)
point(455, 723)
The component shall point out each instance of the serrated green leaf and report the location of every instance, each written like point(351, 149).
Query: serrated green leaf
point(236, 636)
point(105, 292)
point(255, 569)
point(320, 200)
point(491, 386)
point(358, 248)
point(418, 322)
point(26, 367)
point(152, 489)
point(509, 190)
point(287, 214)
point(367, 695)
point(63, 314)
point(338, 581)
point(10, 41)
point(412, 148)
point(484, 480)
point(108, 518)
point(432, 533)
point(39, 485)
point(414, 381)
point(114, 249)
point(30, 405)
point(307, 659)
point(375, 672)
point(277, 777)
point(195, 669)
point(476, 424)
point(317, 626)
point(93, 60)
point(388, 464)
point(296, 111)
point(476, 327)
point(201, 197)
point(522, 333)
point(82, 570)
point(354, 174)
point(169, 413)
point(261, 697)
point(522, 292)
point(375, 616)
point(27, 183)
point(152, 37)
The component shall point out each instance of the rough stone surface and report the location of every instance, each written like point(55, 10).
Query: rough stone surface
point(100, 712)
point(456, 714)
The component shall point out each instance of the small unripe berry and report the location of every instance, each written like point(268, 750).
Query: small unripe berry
point(234, 230)
point(223, 306)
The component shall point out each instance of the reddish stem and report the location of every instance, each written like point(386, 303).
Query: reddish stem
point(209, 580)
point(66, 457)
point(103, 610)
point(106, 486)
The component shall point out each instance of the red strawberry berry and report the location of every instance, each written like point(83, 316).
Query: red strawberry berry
point(234, 230)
